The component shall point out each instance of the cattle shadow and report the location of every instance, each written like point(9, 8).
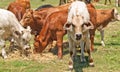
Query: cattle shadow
point(54, 50)
point(78, 65)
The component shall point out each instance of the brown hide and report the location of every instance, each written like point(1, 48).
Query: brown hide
point(104, 17)
point(17, 9)
point(53, 30)
point(36, 19)
point(93, 17)
point(24, 3)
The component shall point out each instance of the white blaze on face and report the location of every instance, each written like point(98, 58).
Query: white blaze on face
point(77, 22)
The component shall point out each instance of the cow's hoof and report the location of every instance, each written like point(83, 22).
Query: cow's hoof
point(70, 67)
point(5, 57)
point(91, 64)
point(60, 57)
point(103, 44)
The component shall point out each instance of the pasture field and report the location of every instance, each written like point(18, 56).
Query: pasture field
point(106, 59)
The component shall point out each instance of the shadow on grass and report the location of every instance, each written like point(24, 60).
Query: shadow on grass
point(65, 49)
point(78, 66)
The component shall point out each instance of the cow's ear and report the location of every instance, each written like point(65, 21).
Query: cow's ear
point(67, 26)
point(17, 34)
point(28, 28)
point(88, 26)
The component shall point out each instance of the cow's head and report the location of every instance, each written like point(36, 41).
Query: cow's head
point(115, 13)
point(23, 38)
point(26, 37)
point(27, 19)
point(77, 27)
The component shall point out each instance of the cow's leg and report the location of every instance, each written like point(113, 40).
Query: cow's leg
point(12, 45)
point(87, 46)
point(102, 37)
point(60, 44)
point(105, 2)
point(62, 2)
point(118, 3)
point(92, 34)
point(72, 52)
point(2, 43)
point(110, 1)
point(82, 52)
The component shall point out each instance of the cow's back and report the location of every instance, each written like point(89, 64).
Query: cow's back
point(41, 15)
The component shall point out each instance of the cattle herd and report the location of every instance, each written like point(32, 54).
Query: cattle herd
point(78, 19)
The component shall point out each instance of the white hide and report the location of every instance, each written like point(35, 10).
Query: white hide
point(10, 28)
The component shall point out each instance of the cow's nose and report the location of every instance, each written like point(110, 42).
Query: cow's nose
point(78, 36)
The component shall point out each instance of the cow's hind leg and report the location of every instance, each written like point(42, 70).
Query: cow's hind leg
point(102, 37)
point(2, 43)
point(60, 44)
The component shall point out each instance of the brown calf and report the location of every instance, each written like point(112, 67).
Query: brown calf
point(36, 19)
point(52, 30)
point(17, 9)
point(24, 3)
point(104, 17)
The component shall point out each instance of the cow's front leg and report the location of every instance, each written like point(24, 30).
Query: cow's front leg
point(90, 59)
point(82, 57)
point(72, 52)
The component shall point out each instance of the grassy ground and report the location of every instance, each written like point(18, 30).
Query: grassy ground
point(107, 59)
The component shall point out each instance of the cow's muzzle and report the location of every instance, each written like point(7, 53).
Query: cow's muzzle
point(78, 36)
point(27, 47)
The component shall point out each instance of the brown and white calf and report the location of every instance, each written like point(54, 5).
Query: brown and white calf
point(78, 31)
point(103, 18)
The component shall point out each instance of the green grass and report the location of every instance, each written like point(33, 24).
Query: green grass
point(106, 59)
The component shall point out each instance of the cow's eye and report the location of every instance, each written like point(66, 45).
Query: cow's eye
point(68, 25)
point(23, 39)
point(73, 25)
point(82, 25)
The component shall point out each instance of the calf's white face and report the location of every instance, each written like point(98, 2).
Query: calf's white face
point(24, 38)
point(76, 27)
point(77, 23)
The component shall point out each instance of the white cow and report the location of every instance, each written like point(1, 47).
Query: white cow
point(10, 28)
point(78, 30)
